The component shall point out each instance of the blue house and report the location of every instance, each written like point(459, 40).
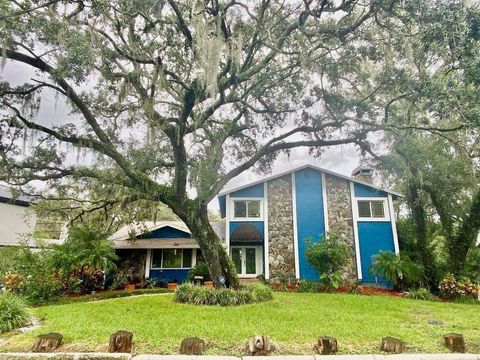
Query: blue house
point(266, 224)
point(268, 221)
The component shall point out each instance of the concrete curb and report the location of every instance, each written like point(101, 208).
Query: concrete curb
point(110, 356)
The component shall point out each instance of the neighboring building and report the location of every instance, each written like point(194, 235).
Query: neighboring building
point(267, 222)
point(19, 224)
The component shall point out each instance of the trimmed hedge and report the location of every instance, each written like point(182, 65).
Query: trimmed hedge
point(189, 293)
point(13, 312)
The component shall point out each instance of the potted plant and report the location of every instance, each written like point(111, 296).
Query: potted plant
point(172, 284)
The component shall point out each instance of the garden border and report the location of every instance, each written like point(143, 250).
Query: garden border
point(125, 356)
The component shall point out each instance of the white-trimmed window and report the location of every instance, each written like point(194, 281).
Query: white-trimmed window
point(172, 258)
point(373, 209)
point(247, 209)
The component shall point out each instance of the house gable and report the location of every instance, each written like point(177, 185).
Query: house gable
point(305, 203)
point(166, 232)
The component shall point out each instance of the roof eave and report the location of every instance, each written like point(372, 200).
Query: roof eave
point(222, 193)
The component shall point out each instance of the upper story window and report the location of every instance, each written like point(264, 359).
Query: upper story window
point(372, 209)
point(247, 209)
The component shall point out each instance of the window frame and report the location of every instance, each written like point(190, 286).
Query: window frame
point(386, 209)
point(192, 264)
point(246, 199)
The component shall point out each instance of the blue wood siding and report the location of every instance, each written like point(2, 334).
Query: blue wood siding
point(222, 201)
point(165, 232)
point(167, 275)
point(374, 236)
point(251, 191)
point(258, 224)
point(367, 191)
point(310, 215)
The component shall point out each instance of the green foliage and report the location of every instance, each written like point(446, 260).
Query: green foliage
point(472, 264)
point(8, 259)
point(328, 257)
point(398, 269)
point(200, 295)
point(420, 294)
point(308, 286)
point(462, 287)
point(13, 312)
point(78, 265)
point(200, 269)
point(84, 258)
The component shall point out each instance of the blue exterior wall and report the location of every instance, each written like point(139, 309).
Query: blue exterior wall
point(165, 232)
point(367, 191)
point(251, 191)
point(374, 236)
point(310, 215)
point(169, 274)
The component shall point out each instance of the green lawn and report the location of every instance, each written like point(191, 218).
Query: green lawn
point(293, 321)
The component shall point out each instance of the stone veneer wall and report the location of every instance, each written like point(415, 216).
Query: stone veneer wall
point(281, 256)
point(340, 218)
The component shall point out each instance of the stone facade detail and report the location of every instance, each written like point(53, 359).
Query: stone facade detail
point(281, 255)
point(340, 218)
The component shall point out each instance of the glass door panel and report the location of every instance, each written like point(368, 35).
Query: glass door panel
point(250, 261)
point(237, 259)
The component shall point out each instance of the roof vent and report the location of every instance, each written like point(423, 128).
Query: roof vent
point(363, 173)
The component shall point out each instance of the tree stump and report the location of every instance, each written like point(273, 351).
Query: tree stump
point(455, 342)
point(393, 345)
point(121, 342)
point(259, 345)
point(47, 342)
point(326, 345)
point(192, 346)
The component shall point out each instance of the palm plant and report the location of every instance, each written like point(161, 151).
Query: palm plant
point(401, 271)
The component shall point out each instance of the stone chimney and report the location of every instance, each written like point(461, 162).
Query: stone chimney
point(363, 173)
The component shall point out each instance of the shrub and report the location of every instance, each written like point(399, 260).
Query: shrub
point(308, 286)
point(420, 294)
point(453, 288)
point(13, 312)
point(189, 293)
point(328, 257)
point(200, 269)
point(399, 270)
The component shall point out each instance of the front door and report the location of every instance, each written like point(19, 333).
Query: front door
point(247, 260)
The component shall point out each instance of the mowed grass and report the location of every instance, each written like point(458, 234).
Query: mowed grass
point(293, 321)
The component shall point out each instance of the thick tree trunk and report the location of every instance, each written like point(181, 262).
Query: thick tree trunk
point(419, 217)
point(219, 263)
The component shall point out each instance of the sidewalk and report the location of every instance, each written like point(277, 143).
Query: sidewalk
point(110, 356)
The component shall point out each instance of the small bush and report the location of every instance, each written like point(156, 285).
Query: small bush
point(194, 294)
point(308, 287)
point(328, 257)
point(420, 294)
point(13, 312)
point(200, 269)
point(453, 288)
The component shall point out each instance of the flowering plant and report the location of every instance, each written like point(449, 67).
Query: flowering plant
point(451, 287)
